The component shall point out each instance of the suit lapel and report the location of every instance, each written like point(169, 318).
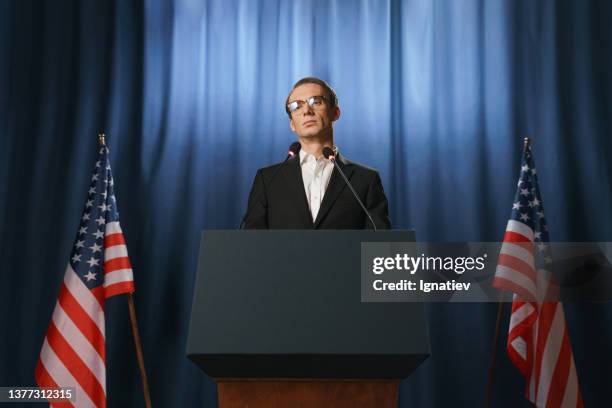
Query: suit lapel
point(335, 187)
point(295, 181)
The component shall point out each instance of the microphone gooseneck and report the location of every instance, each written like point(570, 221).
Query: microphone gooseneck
point(328, 153)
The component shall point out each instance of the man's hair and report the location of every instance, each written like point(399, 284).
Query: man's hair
point(330, 94)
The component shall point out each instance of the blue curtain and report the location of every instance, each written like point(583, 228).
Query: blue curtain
point(437, 95)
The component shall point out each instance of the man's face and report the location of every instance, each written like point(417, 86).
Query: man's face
point(307, 121)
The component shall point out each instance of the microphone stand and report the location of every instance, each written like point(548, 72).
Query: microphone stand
point(329, 154)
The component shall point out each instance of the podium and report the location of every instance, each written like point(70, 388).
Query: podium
point(277, 321)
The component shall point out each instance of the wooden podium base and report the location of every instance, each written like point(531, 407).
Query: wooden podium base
point(234, 393)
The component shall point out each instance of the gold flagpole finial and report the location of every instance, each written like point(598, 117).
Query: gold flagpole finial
point(102, 139)
point(526, 140)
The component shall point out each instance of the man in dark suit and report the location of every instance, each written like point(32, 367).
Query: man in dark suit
point(308, 192)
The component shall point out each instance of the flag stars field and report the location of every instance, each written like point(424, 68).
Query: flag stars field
point(93, 261)
point(90, 276)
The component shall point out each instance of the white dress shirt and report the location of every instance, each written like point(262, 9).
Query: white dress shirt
point(316, 175)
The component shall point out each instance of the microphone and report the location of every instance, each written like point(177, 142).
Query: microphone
point(328, 153)
point(293, 151)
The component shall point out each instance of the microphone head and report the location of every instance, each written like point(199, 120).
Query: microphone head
point(328, 153)
point(294, 149)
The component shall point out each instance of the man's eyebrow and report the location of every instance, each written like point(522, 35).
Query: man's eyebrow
point(311, 96)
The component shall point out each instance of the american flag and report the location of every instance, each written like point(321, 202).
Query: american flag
point(538, 341)
point(73, 352)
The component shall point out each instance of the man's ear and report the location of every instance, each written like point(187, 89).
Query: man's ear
point(291, 125)
point(336, 114)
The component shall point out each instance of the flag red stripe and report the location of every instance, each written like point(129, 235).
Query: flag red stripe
point(518, 265)
point(44, 380)
point(560, 375)
point(82, 320)
point(545, 320)
point(511, 236)
point(505, 284)
point(98, 293)
point(119, 289)
point(116, 264)
point(518, 360)
point(114, 239)
point(76, 366)
point(523, 326)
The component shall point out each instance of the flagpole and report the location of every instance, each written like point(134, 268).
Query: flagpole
point(491, 374)
point(137, 343)
point(500, 308)
point(134, 324)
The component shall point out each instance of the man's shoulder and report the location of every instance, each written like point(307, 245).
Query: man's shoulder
point(358, 167)
point(270, 168)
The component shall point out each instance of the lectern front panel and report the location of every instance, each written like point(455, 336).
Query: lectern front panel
point(287, 304)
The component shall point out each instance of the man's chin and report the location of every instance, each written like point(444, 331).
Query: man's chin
point(314, 134)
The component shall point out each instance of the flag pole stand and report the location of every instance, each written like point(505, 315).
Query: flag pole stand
point(491, 373)
point(137, 343)
point(134, 323)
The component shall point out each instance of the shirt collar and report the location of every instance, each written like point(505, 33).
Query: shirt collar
point(304, 155)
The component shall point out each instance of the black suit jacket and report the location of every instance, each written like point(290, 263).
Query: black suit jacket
point(281, 203)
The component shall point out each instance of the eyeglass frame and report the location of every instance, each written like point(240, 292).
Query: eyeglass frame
point(290, 112)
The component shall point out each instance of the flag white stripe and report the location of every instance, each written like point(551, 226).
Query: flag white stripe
point(520, 228)
point(121, 275)
point(517, 278)
point(550, 355)
point(85, 298)
point(570, 398)
point(520, 346)
point(79, 343)
point(518, 251)
point(62, 377)
point(520, 314)
point(113, 227)
point(117, 251)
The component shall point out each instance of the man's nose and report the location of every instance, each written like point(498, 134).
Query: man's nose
point(307, 109)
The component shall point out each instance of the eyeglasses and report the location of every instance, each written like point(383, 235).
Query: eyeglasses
point(315, 102)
